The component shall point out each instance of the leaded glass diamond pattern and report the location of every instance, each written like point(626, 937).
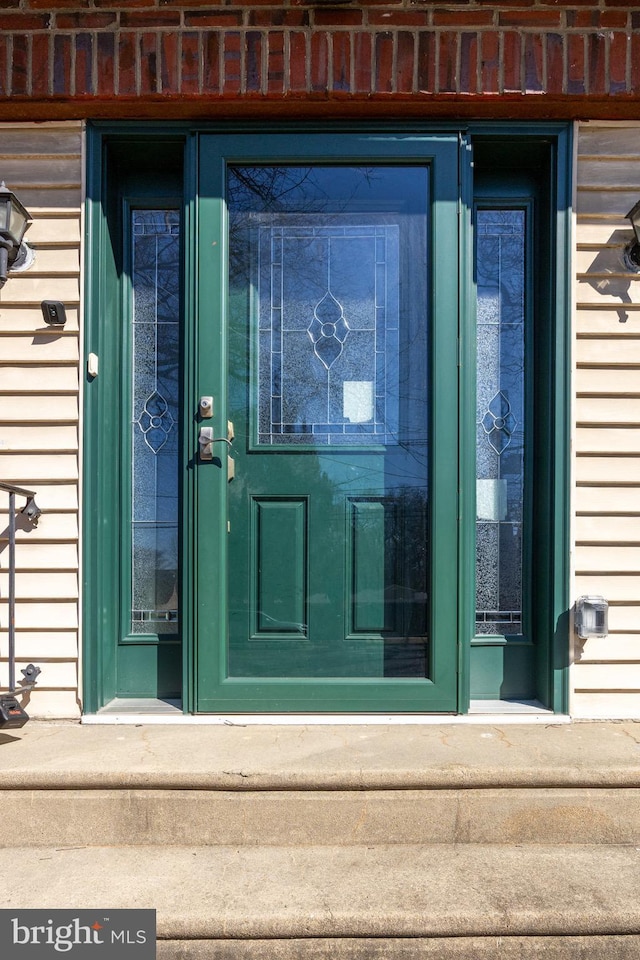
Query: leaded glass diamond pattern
point(328, 329)
point(155, 421)
point(499, 422)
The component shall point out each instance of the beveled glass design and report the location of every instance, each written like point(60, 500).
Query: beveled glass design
point(155, 282)
point(327, 304)
point(500, 443)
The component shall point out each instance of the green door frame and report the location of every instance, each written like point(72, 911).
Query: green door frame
point(100, 541)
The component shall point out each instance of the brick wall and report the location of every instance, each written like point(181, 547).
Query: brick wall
point(551, 58)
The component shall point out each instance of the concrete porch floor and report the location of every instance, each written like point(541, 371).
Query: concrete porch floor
point(69, 754)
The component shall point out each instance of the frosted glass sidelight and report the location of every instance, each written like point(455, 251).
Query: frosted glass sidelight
point(155, 342)
point(500, 422)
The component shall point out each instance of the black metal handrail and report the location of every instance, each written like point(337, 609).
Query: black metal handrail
point(31, 511)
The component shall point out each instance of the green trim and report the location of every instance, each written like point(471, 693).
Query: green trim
point(550, 527)
point(116, 661)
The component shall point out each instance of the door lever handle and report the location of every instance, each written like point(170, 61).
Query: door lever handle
point(206, 440)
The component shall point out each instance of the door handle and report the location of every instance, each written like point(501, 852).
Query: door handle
point(206, 440)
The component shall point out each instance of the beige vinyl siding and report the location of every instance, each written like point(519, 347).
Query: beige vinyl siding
point(605, 674)
point(39, 416)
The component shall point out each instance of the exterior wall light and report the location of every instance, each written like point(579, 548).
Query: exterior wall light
point(632, 250)
point(15, 220)
point(591, 617)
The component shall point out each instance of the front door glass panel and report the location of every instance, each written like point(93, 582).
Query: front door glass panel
point(328, 346)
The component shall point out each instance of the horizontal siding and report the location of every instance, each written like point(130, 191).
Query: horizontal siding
point(39, 417)
point(605, 675)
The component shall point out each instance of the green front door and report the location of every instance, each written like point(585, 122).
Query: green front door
point(324, 483)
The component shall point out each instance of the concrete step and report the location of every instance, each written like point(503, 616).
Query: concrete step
point(320, 785)
point(375, 901)
point(347, 817)
point(335, 842)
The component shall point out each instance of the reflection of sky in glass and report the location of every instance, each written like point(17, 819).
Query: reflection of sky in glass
point(154, 438)
point(500, 273)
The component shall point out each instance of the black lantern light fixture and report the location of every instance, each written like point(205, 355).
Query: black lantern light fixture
point(632, 250)
point(15, 220)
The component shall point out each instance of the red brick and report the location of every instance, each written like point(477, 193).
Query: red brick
point(468, 62)
point(511, 62)
point(170, 62)
point(576, 63)
point(337, 17)
point(244, 3)
point(146, 20)
point(253, 61)
point(121, 4)
point(634, 57)
point(106, 64)
point(56, 4)
point(635, 21)
point(384, 62)
point(399, 18)
point(533, 62)
point(276, 68)
point(190, 63)
point(9, 4)
point(84, 64)
point(614, 18)
point(211, 62)
point(341, 61)
point(148, 63)
point(617, 63)
point(5, 60)
point(582, 18)
point(426, 61)
point(84, 20)
point(531, 18)
point(62, 64)
point(20, 65)
point(278, 18)
point(555, 63)
point(297, 61)
point(232, 62)
point(319, 62)
point(405, 61)
point(463, 18)
point(24, 22)
point(126, 63)
point(489, 63)
point(596, 64)
point(448, 63)
point(213, 18)
point(40, 64)
point(362, 62)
